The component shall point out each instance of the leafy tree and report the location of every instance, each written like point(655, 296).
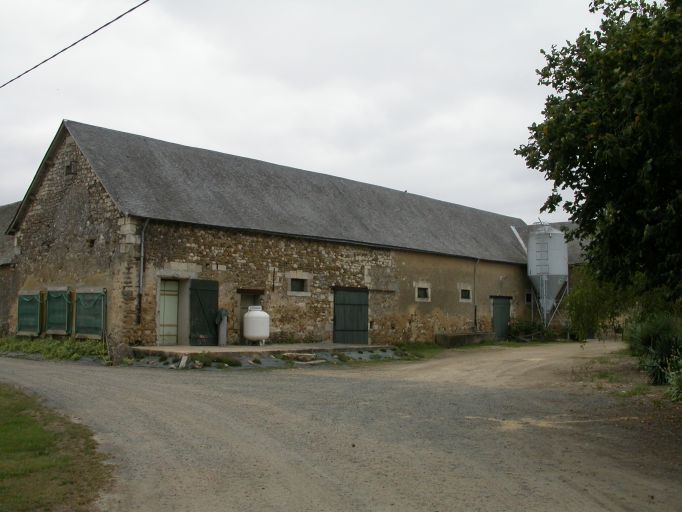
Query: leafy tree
point(612, 135)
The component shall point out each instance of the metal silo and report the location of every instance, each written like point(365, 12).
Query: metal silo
point(547, 267)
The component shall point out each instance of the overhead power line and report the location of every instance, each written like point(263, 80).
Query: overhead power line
point(74, 44)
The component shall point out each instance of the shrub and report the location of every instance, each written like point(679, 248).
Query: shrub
point(594, 306)
point(657, 341)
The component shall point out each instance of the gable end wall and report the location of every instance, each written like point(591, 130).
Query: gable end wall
point(71, 232)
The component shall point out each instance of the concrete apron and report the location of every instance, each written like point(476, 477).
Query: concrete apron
point(239, 350)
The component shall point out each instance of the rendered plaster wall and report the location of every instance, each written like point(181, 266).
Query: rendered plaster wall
point(445, 312)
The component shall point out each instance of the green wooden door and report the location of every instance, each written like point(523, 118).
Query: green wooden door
point(203, 308)
point(351, 314)
point(501, 316)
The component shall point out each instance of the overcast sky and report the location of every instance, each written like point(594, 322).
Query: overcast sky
point(430, 97)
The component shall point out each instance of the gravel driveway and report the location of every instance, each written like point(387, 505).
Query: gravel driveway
point(484, 429)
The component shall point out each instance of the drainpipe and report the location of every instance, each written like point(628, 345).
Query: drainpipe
point(474, 294)
point(140, 282)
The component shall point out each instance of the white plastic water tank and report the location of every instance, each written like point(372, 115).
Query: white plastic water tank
point(256, 324)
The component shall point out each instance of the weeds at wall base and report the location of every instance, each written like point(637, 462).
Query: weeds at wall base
point(60, 349)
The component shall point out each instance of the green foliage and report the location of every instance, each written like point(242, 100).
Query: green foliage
point(526, 330)
point(419, 350)
point(593, 305)
point(204, 359)
point(657, 341)
point(56, 349)
point(674, 377)
point(342, 357)
point(611, 134)
point(636, 390)
point(227, 359)
point(46, 462)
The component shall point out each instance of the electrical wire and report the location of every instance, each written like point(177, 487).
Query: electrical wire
point(74, 44)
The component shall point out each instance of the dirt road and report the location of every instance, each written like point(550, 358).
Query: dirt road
point(485, 429)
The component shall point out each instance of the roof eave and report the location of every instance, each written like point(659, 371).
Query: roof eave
point(330, 240)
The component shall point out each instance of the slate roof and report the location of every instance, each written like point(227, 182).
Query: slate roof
point(7, 212)
point(154, 179)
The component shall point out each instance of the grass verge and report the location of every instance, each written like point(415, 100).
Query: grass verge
point(55, 349)
point(418, 350)
point(616, 373)
point(46, 461)
point(500, 343)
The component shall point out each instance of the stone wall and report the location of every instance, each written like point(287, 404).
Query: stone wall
point(249, 261)
point(8, 294)
point(243, 261)
point(70, 233)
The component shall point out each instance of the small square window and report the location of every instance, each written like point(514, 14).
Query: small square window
point(70, 169)
point(529, 297)
point(297, 285)
point(422, 291)
point(465, 294)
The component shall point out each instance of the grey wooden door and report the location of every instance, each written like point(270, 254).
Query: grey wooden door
point(351, 314)
point(501, 316)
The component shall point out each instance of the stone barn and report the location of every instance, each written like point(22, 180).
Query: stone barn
point(143, 241)
point(7, 274)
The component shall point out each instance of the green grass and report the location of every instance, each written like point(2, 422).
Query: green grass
point(636, 390)
point(419, 350)
point(56, 349)
point(500, 343)
point(46, 461)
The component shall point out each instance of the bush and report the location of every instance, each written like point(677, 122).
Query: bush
point(593, 305)
point(657, 341)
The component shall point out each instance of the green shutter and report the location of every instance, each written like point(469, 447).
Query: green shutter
point(90, 313)
point(58, 312)
point(28, 314)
